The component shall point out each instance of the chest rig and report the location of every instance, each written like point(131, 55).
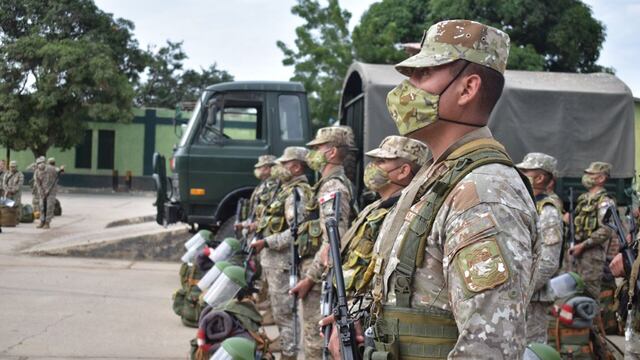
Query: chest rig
point(274, 220)
point(428, 332)
point(586, 221)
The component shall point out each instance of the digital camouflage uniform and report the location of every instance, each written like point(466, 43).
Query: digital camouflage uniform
point(45, 181)
point(312, 264)
point(276, 256)
point(550, 230)
point(12, 184)
point(590, 231)
point(457, 287)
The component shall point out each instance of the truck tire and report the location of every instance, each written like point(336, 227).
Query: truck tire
point(226, 230)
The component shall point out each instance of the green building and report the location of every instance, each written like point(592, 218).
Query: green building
point(125, 148)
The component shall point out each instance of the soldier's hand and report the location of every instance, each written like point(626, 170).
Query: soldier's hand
point(576, 250)
point(238, 226)
point(334, 340)
point(302, 288)
point(617, 266)
point(258, 245)
point(252, 227)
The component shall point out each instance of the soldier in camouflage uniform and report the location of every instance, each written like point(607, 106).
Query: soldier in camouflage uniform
point(539, 169)
point(46, 178)
point(276, 256)
point(453, 262)
point(328, 151)
point(591, 235)
point(12, 184)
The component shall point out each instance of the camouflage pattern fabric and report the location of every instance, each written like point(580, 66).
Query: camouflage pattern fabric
point(488, 221)
point(265, 160)
point(540, 161)
point(452, 40)
point(293, 153)
point(411, 108)
point(46, 184)
point(394, 146)
point(12, 185)
point(312, 342)
point(590, 264)
point(550, 230)
point(338, 135)
point(598, 167)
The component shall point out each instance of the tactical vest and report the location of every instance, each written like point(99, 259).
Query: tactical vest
point(428, 332)
point(261, 200)
point(310, 232)
point(274, 221)
point(542, 201)
point(586, 221)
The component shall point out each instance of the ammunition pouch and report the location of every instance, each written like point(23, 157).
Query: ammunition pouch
point(309, 238)
point(586, 220)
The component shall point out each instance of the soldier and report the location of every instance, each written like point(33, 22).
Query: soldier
point(453, 262)
point(3, 169)
point(328, 151)
point(539, 169)
point(46, 178)
point(12, 184)
point(591, 235)
point(632, 328)
point(276, 257)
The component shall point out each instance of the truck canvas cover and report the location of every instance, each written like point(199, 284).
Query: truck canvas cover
point(577, 118)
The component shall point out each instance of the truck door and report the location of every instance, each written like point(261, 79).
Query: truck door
point(232, 135)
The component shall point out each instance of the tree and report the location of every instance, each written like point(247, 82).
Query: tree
point(322, 56)
point(168, 83)
point(63, 63)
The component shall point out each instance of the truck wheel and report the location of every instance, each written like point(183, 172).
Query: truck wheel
point(226, 230)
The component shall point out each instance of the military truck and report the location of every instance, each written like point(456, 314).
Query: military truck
point(577, 118)
point(232, 124)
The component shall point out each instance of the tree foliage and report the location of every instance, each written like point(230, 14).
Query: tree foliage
point(167, 83)
point(63, 62)
point(322, 55)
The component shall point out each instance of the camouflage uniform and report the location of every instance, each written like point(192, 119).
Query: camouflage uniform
point(276, 257)
point(45, 181)
point(12, 184)
point(590, 231)
point(632, 328)
point(471, 268)
point(550, 232)
point(312, 265)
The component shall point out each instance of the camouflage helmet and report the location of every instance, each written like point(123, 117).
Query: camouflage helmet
point(451, 40)
point(394, 146)
point(536, 160)
point(40, 160)
point(598, 167)
point(293, 153)
point(337, 135)
point(265, 160)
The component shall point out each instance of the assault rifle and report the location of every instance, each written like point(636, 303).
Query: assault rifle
point(612, 220)
point(239, 206)
point(326, 308)
point(295, 264)
point(346, 327)
point(572, 231)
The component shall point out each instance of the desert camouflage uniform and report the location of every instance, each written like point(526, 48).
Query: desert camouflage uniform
point(550, 230)
point(12, 185)
point(45, 181)
point(276, 261)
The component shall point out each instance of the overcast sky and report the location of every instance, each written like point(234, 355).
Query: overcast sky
point(240, 35)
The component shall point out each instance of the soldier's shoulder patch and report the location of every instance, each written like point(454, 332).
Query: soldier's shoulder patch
point(482, 265)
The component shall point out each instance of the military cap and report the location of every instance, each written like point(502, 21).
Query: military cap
point(451, 40)
point(598, 167)
point(265, 160)
point(40, 160)
point(338, 135)
point(293, 153)
point(536, 160)
point(394, 146)
point(51, 160)
point(13, 163)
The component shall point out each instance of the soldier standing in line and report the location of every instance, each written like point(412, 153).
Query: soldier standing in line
point(539, 169)
point(328, 152)
point(591, 235)
point(3, 169)
point(275, 247)
point(454, 258)
point(46, 178)
point(12, 184)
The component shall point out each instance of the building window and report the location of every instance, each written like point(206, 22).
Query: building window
point(83, 151)
point(106, 149)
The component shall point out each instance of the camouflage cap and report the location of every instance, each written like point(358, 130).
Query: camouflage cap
point(598, 167)
point(536, 160)
point(13, 163)
point(51, 160)
point(293, 153)
point(265, 160)
point(338, 135)
point(452, 40)
point(394, 146)
point(40, 160)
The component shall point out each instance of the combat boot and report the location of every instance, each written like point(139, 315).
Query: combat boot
point(40, 226)
point(45, 226)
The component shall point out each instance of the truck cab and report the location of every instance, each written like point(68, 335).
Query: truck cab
point(232, 124)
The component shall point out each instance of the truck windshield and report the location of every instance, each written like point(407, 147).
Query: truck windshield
point(192, 122)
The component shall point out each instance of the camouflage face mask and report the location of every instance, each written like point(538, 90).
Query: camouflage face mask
point(257, 173)
point(281, 173)
point(375, 178)
point(316, 160)
point(588, 181)
point(412, 108)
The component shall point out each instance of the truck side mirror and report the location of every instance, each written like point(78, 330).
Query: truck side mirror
point(211, 115)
